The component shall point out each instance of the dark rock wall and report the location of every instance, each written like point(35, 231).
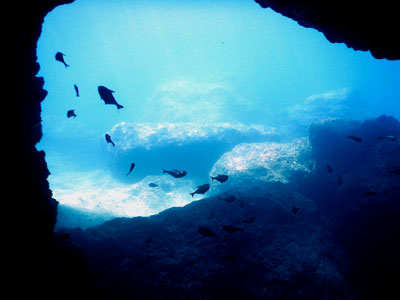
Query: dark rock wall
point(358, 24)
point(43, 264)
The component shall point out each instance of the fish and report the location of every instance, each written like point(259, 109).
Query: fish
point(370, 193)
point(153, 185)
point(220, 178)
point(206, 232)
point(201, 189)
point(249, 220)
point(108, 139)
point(340, 179)
point(71, 113)
point(107, 96)
point(388, 137)
point(295, 209)
point(131, 168)
point(231, 229)
point(76, 90)
point(60, 57)
point(355, 138)
point(227, 198)
point(329, 167)
point(395, 172)
point(175, 173)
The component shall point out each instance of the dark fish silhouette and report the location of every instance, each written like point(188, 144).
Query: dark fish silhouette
point(355, 138)
point(76, 90)
point(370, 193)
point(107, 96)
point(220, 178)
point(228, 198)
point(329, 167)
point(387, 137)
point(153, 185)
point(175, 173)
point(108, 139)
point(206, 232)
point(231, 229)
point(395, 172)
point(340, 179)
point(295, 209)
point(60, 58)
point(71, 113)
point(131, 168)
point(249, 220)
point(201, 189)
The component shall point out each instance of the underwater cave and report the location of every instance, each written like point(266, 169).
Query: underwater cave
point(289, 146)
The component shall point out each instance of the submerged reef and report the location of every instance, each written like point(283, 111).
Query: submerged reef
point(305, 231)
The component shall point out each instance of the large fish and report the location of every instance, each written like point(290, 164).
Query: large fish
point(220, 178)
point(71, 113)
point(201, 189)
point(107, 96)
point(108, 139)
point(60, 58)
point(175, 173)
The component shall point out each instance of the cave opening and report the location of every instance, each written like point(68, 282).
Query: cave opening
point(205, 87)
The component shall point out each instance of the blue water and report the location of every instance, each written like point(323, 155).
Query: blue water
point(205, 85)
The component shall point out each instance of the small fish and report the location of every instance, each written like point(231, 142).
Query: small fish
point(108, 139)
point(60, 58)
point(387, 137)
point(220, 178)
point(153, 185)
point(340, 179)
point(395, 172)
point(63, 236)
point(295, 209)
point(201, 189)
point(175, 173)
point(329, 167)
point(76, 90)
point(249, 220)
point(370, 193)
point(107, 96)
point(355, 138)
point(206, 232)
point(229, 198)
point(131, 168)
point(231, 229)
point(71, 113)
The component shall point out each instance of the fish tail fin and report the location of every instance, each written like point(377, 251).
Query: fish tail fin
point(66, 65)
point(163, 170)
point(212, 178)
point(119, 106)
point(113, 144)
point(192, 194)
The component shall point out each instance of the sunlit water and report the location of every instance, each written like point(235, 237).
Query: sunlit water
point(207, 87)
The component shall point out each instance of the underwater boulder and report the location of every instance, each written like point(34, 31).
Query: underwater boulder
point(342, 103)
point(192, 252)
point(266, 162)
point(189, 146)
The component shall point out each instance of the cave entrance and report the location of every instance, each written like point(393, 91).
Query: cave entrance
point(195, 79)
